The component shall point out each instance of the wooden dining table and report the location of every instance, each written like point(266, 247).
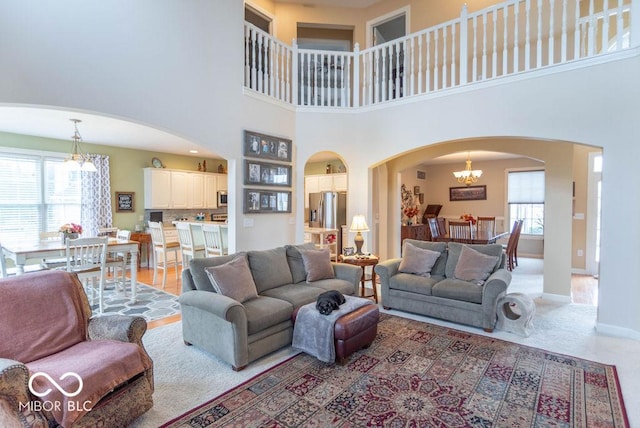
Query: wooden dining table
point(22, 251)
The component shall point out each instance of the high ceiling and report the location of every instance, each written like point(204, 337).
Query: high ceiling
point(337, 3)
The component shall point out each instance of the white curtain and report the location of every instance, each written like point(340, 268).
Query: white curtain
point(96, 196)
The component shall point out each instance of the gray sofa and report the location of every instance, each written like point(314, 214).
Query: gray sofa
point(240, 333)
point(441, 295)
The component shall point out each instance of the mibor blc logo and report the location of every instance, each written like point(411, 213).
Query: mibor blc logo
point(48, 405)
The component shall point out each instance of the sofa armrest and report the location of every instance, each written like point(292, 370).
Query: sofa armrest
point(14, 378)
point(124, 328)
point(348, 273)
point(387, 269)
point(495, 286)
point(222, 306)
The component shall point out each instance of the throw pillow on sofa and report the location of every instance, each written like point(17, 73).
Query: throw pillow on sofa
point(233, 279)
point(294, 258)
point(473, 266)
point(317, 264)
point(418, 261)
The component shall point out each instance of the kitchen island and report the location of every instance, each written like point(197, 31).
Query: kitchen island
point(323, 238)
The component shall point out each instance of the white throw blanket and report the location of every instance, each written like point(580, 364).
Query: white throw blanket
point(313, 332)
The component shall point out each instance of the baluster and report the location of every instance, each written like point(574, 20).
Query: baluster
point(453, 55)
point(254, 60)
point(271, 75)
point(324, 80)
point(552, 8)
point(516, 48)
point(277, 67)
point(419, 74)
point(484, 46)
point(308, 88)
point(356, 78)
point(539, 41)
point(592, 29)
point(563, 37)
point(436, 48)
point(527, 38)
point(406, 55)
point(474, 66)
point(464, 49)
point(247, 69)
point(444, 58)
point(412, 65)
point(385, 67)
point(369, 77)
point(576, 35)
point(620, 26)
point(377, 81)
point(494, 56)
point(505, 56)
point(292, 70)
point(397, 78)
point(605, 26)
point(427, 82)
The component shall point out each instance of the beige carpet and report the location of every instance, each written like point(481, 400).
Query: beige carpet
point(186, 376)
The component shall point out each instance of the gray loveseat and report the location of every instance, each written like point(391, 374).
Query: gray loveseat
point(441, 295)
point(240, 333)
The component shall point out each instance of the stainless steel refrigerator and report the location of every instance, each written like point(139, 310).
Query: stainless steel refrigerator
point(328, 210)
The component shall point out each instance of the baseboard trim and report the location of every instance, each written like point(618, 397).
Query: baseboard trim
point(613, 330)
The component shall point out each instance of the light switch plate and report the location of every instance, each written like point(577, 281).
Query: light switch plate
point(247, 222)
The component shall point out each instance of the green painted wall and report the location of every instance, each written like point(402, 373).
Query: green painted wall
point(125, 164)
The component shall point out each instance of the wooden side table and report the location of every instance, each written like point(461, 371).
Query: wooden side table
point(363, 262)
point(142, 238)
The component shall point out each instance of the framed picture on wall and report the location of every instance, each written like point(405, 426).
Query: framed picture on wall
point(266, 173)
point(264, 146)
point(468, 193)
point(259, 201)
point(124, 202)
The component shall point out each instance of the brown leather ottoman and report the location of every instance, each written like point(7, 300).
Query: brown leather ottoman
point(353, 331)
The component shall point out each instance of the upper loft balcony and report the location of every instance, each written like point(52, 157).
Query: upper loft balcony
point(507, 39)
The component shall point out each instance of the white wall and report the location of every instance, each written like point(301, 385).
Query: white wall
point(178, 66)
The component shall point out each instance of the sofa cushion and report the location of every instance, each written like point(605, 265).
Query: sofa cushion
point(233, 279)
point(418, 261)
point(341, 285)
point(265, 312)
point(474, 266)
point(294, 258)
point(455, 248)
point(441, 247)
point(269, 268)
point(317, 263)
point(198, 265)
point(413, 283)
point(458, 290)
point(296, 294)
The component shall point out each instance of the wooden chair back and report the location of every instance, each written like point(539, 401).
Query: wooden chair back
point(460, 231)
point(433, 228)
point(512, 244)
point(486, 224)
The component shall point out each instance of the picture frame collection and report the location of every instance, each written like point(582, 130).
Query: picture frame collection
point(267, 169)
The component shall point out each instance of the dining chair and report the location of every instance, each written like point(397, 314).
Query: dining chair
point(111, 232)
point(161, 250)
point(486, 224)
point(433, 228)
point(213, 240)
point(86, 257)
point(442, 226)
point(510, 248)
point(460, 231)
point(52, 262)
point(119, 262)
point(188, 244)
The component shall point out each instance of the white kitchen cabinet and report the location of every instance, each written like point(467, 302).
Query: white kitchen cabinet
point(177, 189)
point(211, 182)
point(323, 183)
point(157, 183)
point(339, 182)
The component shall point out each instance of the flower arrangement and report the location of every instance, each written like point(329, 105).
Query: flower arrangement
point(70, 228)
point(411, 211)
point(330, 239)
point(468, 217)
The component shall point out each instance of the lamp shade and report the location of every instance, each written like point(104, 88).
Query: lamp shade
point(359, 224)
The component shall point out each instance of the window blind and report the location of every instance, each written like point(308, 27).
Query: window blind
point(525, 187)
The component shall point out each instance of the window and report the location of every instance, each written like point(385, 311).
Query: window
point(37, 193)
point(525, 196)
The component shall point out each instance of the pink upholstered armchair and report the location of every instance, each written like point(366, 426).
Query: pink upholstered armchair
point(59, 364)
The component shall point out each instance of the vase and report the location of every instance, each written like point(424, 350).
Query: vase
point(66, 236)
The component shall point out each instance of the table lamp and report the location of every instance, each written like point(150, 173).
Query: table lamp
point(359, 225)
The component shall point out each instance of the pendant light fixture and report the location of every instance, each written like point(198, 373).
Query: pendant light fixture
point(77, 160)
point(468, 176)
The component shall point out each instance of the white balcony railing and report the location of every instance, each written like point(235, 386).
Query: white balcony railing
point(505, 39)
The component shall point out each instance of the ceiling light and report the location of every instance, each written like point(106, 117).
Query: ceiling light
point(468, 176)
point(77, 160)
point(193, 151)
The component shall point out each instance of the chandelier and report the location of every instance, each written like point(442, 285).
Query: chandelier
point(77, 160)
point(468, 176)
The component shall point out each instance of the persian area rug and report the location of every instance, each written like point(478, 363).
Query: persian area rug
point(422, 375)
point(151, 303)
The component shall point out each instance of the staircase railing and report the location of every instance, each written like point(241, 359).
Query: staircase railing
point(505, 39)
